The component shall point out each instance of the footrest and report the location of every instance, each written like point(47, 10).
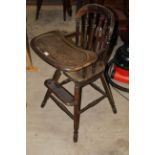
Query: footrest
point(65, 96)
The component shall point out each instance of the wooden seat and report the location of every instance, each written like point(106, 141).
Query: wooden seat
point(81, 57)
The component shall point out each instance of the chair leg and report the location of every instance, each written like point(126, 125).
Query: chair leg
point(39, 3)
point(77, 107)
point(69, 7)
point(64, 9)
point(109, 93)
point(47, 95)
point(56, 76)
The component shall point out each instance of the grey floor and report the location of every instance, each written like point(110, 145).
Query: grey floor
point(49, 130)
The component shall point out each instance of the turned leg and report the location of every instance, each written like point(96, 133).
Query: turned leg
point(47, 95)
point(109, 93)
point(77, 106)
point(39, 3)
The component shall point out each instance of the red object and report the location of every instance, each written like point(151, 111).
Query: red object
point(120, 74)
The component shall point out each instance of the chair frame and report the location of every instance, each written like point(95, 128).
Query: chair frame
point(56, 90)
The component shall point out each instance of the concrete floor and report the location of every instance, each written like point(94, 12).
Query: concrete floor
point(49, 130)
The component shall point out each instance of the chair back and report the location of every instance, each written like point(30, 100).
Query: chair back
point(94, 29)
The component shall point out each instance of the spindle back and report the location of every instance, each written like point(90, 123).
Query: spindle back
point(94, 28)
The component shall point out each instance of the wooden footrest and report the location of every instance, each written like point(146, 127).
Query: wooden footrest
point(65, 96)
